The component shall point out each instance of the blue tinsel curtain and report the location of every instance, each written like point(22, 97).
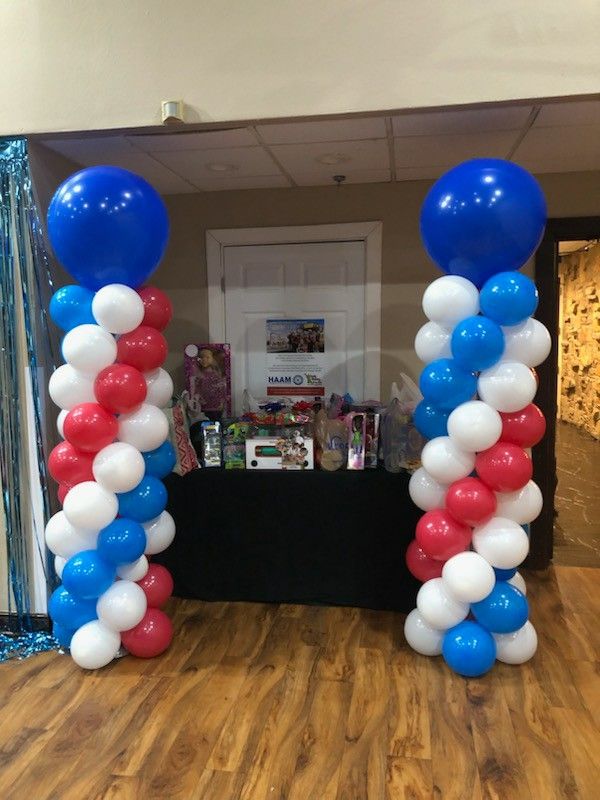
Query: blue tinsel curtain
point(26, 361)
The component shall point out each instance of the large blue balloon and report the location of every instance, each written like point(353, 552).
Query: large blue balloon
point(509, 298)
point(160, 462)
point(68, 611)
point(482, 217)
point(87, 575)
point(446, 385)
point(145, 501)
point(504, 574)
point(430, 421)
point(108, 225)
point(122, 542)
point(469, 649)
point(477, 343)
point(504, 610)
point(63, 635)
point(71, 306)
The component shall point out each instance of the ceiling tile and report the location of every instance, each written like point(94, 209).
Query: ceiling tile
point(585, 112)
point(504, 118)
point(300, 159)
point(430, 151)
point(194, 164)
point(352, 176)
point(231, 183)
point(420, 173)
point(560, 149)
point(99, 149)
point(206, 140)
point(335, 130)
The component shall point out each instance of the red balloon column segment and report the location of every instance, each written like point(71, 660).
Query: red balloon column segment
point(471, 502)
point(89, 427)
point(504, 467)
point(525, 427)
point(144, 348)
point(120, 388)
point(157, 307)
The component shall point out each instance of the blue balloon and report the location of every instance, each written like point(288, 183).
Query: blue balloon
point(446, 385)
point(87, 575)
point(121, 542)
point(477, 343)
point(160, 462)
point(508, 298)
point(62, 635)
point(482, 217)
point(504, 574)
point(68, 611)
point(145, 501)
point(430, 421)
point(108, 225)
point(504, 610)
point(469, 649)
point(71, 306)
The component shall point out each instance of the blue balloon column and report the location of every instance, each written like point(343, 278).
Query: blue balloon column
point(480, 223)
point(109, 229)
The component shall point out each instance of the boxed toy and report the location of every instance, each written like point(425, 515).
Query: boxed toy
point(291, 450)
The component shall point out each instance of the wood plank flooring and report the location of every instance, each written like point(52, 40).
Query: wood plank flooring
point(259, 702)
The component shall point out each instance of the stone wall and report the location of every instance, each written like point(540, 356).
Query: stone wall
point(580, 340)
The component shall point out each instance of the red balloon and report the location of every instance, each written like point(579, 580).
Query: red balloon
point(157, 584)
point(144, 348)
point(68, 465)
point(440, 536)
point(525, 427)
point(505, 467)
point(120, 388)
point(422, 566)
point(157, 307)
point(63, 490)
point(151, 636)
point(470, 501)
point(89, 427)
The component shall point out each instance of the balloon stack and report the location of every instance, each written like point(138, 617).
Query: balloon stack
point(480, 223)
point(109, 229)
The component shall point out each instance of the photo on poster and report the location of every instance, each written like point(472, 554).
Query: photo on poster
point(295, 357)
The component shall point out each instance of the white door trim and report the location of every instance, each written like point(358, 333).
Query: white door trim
point(370, 233)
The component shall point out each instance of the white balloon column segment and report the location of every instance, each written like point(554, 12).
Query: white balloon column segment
point(110, 391)
point(480, 223)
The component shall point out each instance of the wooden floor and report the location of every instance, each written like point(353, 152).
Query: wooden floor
point(257, 702)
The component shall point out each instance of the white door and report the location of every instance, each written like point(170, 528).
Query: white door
point(324, 280)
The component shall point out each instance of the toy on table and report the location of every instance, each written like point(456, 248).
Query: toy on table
point(211, 443)
point(356, 422)
point(371, 439)
point(234, 443)
point(290, 450)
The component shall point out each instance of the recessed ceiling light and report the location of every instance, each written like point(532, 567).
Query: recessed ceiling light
point(332, 158)
point(218, 167)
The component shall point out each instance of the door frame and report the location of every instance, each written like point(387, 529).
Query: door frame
point(371, 233)
point(544, 454)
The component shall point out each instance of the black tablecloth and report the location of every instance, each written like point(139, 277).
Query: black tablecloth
point(292, 537)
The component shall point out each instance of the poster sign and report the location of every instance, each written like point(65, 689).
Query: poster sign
point(296, 359)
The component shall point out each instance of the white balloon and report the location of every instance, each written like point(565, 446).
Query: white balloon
point(502, 542)
point(59, 565)
point(89, 348)
point(68, 387)
point(518, 582)
point(64, 540)
point(438, 608)
point(119, 467)
point(90, 506)
point(145, 428)
point(160, 387)
point(94, 645)
point(432, 342)
point(118, 308)
point(134, 571)
point(446, 462)
point(160, 532)
point(507, 386)
point(425, 492)
point(522, 506)
point(517, 647)
point(450, 299)
point(468, 577)
point(60, 422)
point(422, 637)
point(474, 426)
point(122, 606)
point(528, 342)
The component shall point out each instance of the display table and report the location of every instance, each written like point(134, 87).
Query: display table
point(292, 537)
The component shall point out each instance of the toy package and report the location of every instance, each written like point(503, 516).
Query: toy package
point(371, 440)
point(211, 444)
point(208, 378)
point(234, 443)
point(291, 450)
point(356, 421)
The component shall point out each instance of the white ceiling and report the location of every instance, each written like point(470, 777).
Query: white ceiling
point(558, 137)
